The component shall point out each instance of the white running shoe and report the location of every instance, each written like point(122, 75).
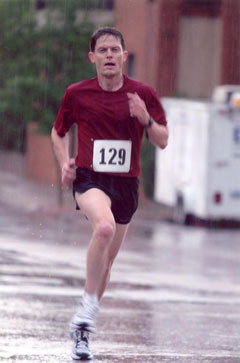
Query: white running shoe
point(80, 350)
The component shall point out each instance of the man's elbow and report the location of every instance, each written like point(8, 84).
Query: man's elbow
point(164, 140)
point(164, 144)
point(54, 135)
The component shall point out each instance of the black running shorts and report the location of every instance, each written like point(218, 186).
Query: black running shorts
point(122, 191)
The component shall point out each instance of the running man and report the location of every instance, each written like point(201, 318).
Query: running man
point(112, 113)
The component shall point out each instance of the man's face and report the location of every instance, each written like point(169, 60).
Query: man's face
point(108, 56)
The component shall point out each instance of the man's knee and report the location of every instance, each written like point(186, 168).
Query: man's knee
point(104, 231)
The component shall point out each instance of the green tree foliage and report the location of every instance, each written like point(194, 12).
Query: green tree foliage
point(37, 62)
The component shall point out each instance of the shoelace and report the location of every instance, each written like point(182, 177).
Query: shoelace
point(82, 340)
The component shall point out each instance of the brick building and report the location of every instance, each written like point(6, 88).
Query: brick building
point(182, 47)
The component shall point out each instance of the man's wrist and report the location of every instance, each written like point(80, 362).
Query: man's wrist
point(65, 164)
point(150, 122)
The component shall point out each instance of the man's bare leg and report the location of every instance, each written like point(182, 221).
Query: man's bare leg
point(105, 243)
point(121, 231)
point(96, 205)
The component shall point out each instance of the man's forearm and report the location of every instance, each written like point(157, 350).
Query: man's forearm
point(61, 147)
point(158, 135)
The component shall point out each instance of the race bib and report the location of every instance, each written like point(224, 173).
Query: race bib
point(112, 156)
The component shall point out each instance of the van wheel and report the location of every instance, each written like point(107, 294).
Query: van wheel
point(178, 212)
point(179, 215)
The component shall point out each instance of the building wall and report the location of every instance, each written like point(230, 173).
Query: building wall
point(230, 55)
point(152, 52)
point(147, 26)
point(182, 47)
point(168, 38)
point(40, 160)
point(198, 67)
point(150, 28)
point(131, 21)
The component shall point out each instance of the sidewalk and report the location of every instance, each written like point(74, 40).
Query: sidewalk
point(19, 192)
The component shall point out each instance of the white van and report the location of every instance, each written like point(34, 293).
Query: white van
point(198, 174)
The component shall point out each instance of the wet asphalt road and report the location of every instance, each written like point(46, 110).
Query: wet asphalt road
point(174, 294)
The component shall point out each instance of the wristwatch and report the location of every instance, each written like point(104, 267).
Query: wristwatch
point(150, 122)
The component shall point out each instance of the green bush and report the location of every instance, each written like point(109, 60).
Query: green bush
point(37, 64)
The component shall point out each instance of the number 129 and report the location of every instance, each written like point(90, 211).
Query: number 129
point(113, 156)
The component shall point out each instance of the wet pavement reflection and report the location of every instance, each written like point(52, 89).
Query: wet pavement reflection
point(174, 294)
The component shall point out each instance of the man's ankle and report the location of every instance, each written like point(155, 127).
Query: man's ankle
point(90, 299)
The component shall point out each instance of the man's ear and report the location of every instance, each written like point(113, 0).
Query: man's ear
point(91, 57)
point(125, 55)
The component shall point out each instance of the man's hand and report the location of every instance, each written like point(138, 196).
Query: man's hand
point(137, 108)
point(68, 173)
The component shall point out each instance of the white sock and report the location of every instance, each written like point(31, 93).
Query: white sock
point(90, 299)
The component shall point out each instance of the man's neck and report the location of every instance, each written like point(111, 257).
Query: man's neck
point(111, 84)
